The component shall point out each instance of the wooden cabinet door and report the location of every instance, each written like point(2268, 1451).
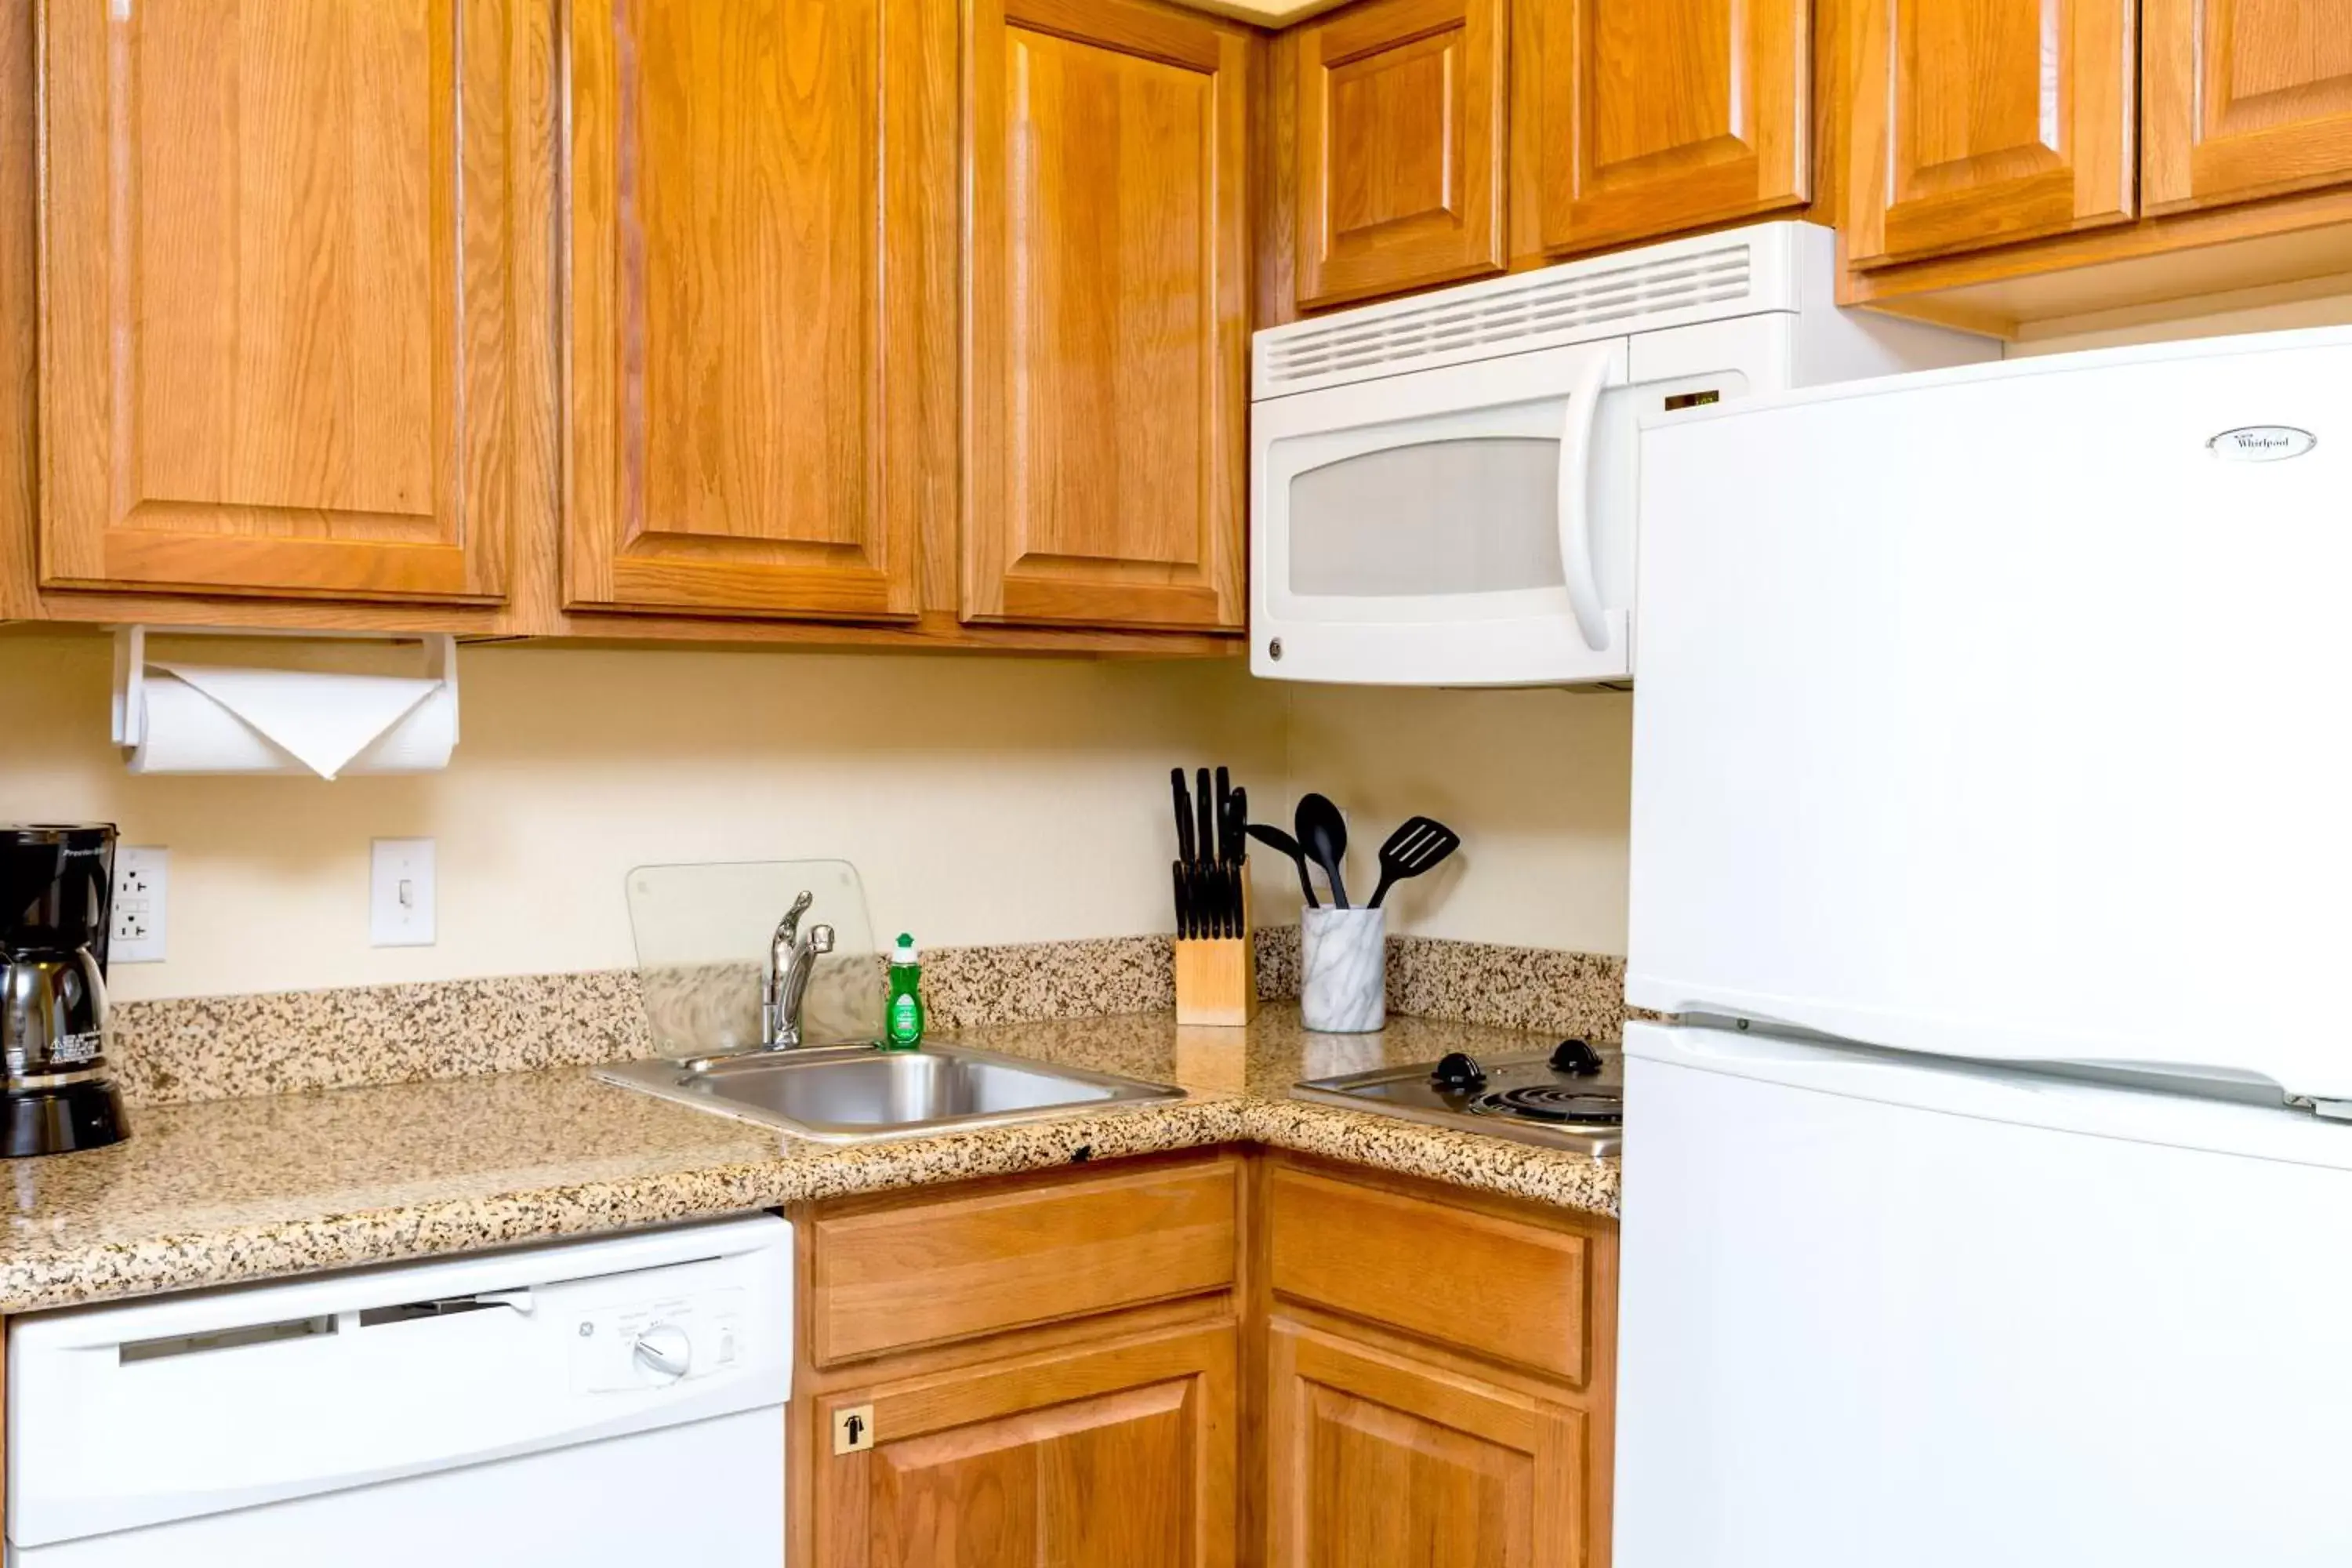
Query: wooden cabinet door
point(1378, 1462)
point(1121, 1456)
point(1400, 147)
point(277, 340)
point(1975, 122)
point(1651, 116)
point(2243, 98)
point(756, 190)
point(1106, 306)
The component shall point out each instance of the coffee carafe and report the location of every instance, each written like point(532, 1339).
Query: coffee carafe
point(56, 1095)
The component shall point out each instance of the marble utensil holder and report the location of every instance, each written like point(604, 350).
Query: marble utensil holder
point(1343, 983)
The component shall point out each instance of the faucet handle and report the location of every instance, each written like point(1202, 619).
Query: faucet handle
point(820, 939)
point(788, 928)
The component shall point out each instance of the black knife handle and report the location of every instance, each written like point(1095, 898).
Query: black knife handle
point(1183, 815)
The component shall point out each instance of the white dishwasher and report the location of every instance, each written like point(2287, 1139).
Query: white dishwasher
point(609, 1402)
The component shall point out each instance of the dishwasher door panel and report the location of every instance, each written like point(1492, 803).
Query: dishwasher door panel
point(704, 1494)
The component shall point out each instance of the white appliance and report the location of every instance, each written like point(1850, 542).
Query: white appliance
point(1442, 488)
point(595, 1405)
point(1990, 832)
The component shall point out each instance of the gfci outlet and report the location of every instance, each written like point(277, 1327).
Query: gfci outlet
point(135, 915)
point(400, 893)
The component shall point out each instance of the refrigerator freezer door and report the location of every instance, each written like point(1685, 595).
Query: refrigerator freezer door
point(1858, 1329)
point(2003, 711)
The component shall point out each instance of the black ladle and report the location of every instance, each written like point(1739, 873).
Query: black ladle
point(1274, 839)
point(1323, 834)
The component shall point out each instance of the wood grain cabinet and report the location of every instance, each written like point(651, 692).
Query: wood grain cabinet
point(1105, 302)
point(1980, 123)
point(1121, 1455)
point(1440, 1376)
point(1378, 1460)
point(1398, 132)
point(759, 199)
point(2243, 98)
point(276, 343)
point(1637, 119)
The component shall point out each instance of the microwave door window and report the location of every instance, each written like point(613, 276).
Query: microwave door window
point(1473, 515)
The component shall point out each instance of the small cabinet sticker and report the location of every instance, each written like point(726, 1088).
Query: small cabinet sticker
point(2262, 443)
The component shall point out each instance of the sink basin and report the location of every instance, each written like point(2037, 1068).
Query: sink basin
point(854, 1093)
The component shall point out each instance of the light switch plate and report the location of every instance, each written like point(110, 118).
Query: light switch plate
point(135, 914)
point(400, 893)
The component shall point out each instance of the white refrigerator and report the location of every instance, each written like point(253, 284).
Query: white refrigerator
point(1992, 842)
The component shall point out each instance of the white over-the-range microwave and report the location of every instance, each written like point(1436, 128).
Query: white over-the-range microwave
point(1443, 488)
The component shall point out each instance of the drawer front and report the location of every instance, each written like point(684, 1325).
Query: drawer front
point(1511, 1292)
point(933, 1272)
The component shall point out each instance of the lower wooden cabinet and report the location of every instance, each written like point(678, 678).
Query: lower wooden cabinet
point(1375, 1460)
point(1199, 1360)
point(1120, 1455)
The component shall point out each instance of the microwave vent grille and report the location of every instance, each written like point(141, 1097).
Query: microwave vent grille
point(1541, 308)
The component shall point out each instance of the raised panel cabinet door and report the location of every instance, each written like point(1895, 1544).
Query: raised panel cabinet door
point(1653, 116)
point(277, 349)
point(1105, 306)
point(1400, 147)
point(756, 192)
point(1977, 122)
point(2243, 98)
point(1379, 1462)
point(1121, 1456)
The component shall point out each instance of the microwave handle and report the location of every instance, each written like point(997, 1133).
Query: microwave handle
point(1576, 503)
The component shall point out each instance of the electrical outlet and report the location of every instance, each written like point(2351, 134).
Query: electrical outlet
point(135, 914)
point(400, 893)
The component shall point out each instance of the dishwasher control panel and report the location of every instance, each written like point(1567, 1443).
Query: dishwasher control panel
point(658, 1341)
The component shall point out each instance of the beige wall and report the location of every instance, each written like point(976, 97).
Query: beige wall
point(983, 799)
point(1536, 783)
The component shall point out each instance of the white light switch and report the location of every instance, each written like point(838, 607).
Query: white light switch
point(400, 893)
point(135, 914)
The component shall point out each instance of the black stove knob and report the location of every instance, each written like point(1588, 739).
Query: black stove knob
point(1458, 1072)
point(1575, 1056)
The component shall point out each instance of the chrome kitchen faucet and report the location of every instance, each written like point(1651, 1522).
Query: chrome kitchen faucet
point(792, 959)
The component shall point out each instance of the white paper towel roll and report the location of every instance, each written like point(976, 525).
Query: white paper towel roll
point(207, 719)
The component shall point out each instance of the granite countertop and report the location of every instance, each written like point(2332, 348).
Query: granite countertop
point(226, 1190)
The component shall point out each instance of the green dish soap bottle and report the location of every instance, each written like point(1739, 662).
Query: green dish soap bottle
point(902, 1011)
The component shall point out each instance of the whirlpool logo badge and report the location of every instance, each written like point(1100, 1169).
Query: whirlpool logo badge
point(2262, 443)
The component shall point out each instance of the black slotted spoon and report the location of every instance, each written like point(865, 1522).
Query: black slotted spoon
point(1419, 842)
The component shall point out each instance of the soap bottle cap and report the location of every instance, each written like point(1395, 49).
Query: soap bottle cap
point(905, 951)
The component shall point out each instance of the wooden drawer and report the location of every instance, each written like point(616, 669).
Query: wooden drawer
point(897, 1277)
point(1499, 1288)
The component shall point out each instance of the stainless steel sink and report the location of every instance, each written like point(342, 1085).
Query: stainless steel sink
point(856, 1093)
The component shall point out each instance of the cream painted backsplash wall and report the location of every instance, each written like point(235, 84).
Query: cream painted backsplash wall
point(982, 800)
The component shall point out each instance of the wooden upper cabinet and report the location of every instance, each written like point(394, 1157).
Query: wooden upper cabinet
point(1639, 118)
point(1106, 308)
point(1400, 142)
point(2243, 98)
point(1118, 1455)
point(276, 343)
point(751, 241)
point(1977, 122)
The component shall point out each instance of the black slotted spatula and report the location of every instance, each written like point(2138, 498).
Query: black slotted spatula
point(1419, 842)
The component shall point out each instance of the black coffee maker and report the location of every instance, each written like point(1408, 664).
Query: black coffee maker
point(55, 1093)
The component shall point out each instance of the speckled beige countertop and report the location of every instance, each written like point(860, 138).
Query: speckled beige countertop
point(226, 1190)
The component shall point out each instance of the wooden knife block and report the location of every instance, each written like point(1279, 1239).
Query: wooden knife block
point(1216, 978)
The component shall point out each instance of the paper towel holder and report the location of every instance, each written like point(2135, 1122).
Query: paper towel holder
point(131, 665)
